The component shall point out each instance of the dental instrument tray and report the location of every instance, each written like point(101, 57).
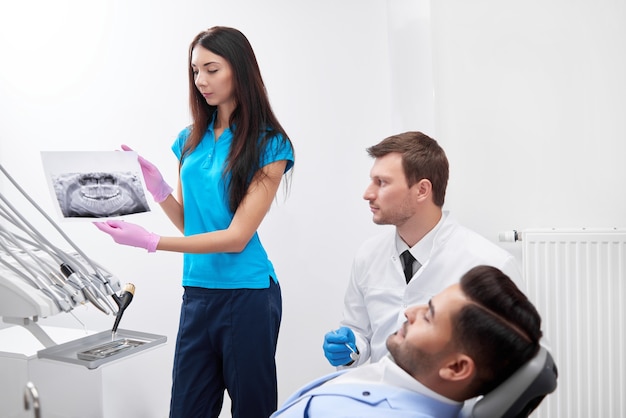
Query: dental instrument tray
point(95, 350)
point(108, 349)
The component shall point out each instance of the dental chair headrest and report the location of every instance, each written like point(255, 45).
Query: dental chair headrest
point(520, 394)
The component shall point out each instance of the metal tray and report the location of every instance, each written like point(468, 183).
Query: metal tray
point(98, 349)
point(109, 349)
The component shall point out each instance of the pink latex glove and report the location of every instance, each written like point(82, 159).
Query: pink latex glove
point(155, 184)
point(127, 233)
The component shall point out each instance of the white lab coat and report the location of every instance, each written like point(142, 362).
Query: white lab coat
point(377, 294)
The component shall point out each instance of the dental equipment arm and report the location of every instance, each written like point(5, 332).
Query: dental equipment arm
point(31, 283)
point(74, 278)
point(98, 271)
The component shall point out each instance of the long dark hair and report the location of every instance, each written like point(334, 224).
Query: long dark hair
point(253, 120)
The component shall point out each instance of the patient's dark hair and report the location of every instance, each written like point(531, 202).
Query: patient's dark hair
point(500, 329)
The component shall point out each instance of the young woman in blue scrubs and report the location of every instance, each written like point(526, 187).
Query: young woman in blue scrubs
point(232, 160)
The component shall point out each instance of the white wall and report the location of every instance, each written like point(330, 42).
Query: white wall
point(530, 105)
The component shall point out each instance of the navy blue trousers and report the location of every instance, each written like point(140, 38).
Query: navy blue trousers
point(227, 341)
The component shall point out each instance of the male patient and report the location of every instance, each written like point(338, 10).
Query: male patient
point(466, 341)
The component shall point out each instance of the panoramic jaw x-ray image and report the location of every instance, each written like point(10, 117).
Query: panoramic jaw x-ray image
point(98, 195)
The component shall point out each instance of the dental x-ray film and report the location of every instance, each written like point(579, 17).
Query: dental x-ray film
point(95, 184)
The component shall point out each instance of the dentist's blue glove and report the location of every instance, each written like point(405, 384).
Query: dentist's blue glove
point(340, 347)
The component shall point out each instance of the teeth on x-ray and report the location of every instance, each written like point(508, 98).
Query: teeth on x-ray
point(99, 195)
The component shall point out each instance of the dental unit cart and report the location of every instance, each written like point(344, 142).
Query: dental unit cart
point(76, 373)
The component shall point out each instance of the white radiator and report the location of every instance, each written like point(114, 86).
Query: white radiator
point(577, 280)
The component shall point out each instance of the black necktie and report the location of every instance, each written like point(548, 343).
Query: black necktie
point(407, 262)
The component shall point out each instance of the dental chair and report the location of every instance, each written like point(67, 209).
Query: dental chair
point(520, 394)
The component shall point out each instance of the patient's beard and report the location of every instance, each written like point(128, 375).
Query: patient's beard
point(417, 362)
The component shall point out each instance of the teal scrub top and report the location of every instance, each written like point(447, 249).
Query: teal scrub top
point(205, 198)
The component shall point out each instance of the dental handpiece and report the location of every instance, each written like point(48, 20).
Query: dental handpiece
point(123, 300)
point(74, 278)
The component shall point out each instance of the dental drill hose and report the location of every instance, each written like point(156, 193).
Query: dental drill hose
point(123, 300)
point(73, 277)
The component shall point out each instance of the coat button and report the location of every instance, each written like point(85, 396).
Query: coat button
point(366, 393)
